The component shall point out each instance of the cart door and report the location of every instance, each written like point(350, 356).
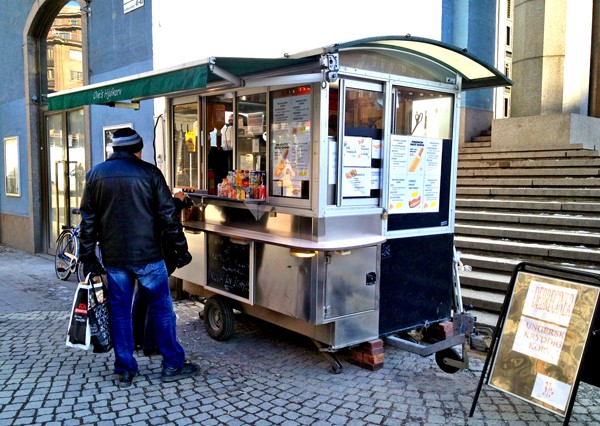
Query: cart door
point(352, 284)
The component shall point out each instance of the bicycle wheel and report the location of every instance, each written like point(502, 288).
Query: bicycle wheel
point(65, 260)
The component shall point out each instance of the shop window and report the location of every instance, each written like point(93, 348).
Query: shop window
point(291, 115)
point(186, 146)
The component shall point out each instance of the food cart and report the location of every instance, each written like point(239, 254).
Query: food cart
point(324, 186)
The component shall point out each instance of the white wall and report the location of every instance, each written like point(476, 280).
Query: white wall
point(189, 30)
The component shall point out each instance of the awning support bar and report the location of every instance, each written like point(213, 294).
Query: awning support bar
point(222, 73)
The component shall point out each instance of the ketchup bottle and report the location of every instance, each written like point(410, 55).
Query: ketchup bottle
point(211, 182)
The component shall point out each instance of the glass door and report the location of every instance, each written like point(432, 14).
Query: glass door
point(65, 139)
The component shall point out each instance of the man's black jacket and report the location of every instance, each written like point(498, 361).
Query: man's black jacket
point(126, 207)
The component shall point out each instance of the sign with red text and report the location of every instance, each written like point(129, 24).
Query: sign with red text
point(543, 340)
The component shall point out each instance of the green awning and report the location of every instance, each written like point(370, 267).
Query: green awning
point(160, 83)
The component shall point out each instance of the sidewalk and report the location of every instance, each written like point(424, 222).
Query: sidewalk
point(263, 375)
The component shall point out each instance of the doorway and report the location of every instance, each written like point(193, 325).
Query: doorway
point(65, 148)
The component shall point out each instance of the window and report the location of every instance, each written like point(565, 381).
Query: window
point(361, 145)
point(423, 113)
point(186, 146)
point(11, 167)
point(291, 115)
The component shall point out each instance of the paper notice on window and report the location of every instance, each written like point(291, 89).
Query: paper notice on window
point(357, 151)
point(356, 182)
point(551, 391)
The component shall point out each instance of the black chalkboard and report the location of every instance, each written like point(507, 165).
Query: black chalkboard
point(228, 266)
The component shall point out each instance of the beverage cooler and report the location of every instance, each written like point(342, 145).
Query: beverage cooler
point(324, 189)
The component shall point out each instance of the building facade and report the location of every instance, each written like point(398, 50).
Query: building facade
point(53, 45)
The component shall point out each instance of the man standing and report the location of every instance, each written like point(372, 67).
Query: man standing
point(126, 207)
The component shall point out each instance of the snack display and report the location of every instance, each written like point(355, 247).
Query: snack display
point(243, 184)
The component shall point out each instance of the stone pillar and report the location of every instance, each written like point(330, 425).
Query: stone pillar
point(551, 73)
point(551, 57)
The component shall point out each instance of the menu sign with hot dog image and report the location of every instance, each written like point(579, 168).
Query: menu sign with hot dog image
point(415, 174)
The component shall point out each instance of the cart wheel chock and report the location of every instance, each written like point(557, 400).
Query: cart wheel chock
point(448, 360)
point(218, 318)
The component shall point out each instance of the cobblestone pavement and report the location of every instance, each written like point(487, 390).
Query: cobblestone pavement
point(263, 375)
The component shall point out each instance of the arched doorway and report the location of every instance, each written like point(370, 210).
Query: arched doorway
point(56, 46)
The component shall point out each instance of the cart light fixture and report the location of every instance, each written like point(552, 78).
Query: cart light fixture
point(295, 252)
point(240, 241)
point(343, 252)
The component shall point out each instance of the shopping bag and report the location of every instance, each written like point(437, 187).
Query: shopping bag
point(98, 314)
point(79, 334)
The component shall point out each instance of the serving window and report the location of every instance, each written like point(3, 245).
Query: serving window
point(291, 115)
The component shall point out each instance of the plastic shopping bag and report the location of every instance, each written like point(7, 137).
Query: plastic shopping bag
point(98, 314)
point(79, 334)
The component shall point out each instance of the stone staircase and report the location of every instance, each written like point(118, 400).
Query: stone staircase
point(530, 205)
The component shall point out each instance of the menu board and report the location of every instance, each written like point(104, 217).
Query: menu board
point(290, 145)
point(415, 174)
point(228, 265)
point(543, 340)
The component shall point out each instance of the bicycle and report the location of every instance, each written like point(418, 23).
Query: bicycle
point(66, 259)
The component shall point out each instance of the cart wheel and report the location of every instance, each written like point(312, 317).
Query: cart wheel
point(450, 353)
point(218, 318)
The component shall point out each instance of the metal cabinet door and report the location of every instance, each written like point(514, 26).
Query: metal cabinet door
point(352, 284)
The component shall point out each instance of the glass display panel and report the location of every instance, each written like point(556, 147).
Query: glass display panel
point(423, 113)
point(291, 115)
point(186, 146)
point(361, 148)
point(220, 128)
point(251, 153)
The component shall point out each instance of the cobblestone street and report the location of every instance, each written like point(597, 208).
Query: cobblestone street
point(263, 375)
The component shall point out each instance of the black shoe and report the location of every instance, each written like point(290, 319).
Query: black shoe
point(126, 379)
point(188, 369)
point(151, 351)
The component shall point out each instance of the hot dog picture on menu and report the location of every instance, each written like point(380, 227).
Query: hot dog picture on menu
point(415, 171)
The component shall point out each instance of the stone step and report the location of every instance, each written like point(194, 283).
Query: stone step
point(485, 280)
point(482, 299)
point(530, 163)
point(483, 153)
point(514, 233)
point(531, 182)
point(497, 264)
point(545, 206)
point(549, 252)
point(569, 193)
point(522, 172)
point(566, 220)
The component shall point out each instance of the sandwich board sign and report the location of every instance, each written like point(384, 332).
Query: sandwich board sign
point(542, 337)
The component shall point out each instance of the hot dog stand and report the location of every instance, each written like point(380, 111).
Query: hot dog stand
point(323, 184)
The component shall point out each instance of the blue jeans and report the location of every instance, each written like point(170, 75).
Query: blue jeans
point(154, 282)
